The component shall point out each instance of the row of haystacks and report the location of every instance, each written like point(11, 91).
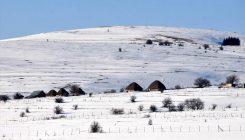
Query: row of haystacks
point(74, 91)
point(154, 86)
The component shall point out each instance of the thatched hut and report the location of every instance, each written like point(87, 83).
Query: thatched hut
point(63, 92)
point(37, 94)
point(78, 92)
point(52, 93)
point(75, 90)
point(156, 86)
point(134, 87)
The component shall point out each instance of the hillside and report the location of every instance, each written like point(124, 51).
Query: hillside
point(90, 58)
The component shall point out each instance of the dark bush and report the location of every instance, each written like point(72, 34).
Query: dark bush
point(213, 106)
point(149, 42)
point(167, 102)
point(177, 87)
point(141, 107)
point(201, 82)
point(153, 108)
point(120, 49)
point(117, 111)
point(232, 79)
point(27, 110)
point(205, 46)
point(150, 122)
point(132, 99)
point(110, 91)
point(18, 96)
point(165, 43)
point(58, 110)
point(194, 104)
point(59, 100)
point(232, 41)
point(172, 108)
point(95, 128)
point(90, 94)
point(228, 106)
point(75, 107)
point(181, 107)
point(22, 114)
point(4, 98)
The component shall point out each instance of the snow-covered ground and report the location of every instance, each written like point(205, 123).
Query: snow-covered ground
point(90, 58)
point(221, 123)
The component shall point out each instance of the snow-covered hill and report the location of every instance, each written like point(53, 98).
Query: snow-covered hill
point(90, 58)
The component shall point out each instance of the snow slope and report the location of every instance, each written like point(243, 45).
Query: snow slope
point(90, 58)
point(40, 123)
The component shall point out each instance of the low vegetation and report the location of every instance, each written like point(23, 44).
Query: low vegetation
point(194, 104)
point(95, 128)
point(59, 100)
point(117, 111)
point(153, 108)
point(202, 82)
point(58, 110)
point(132, 99)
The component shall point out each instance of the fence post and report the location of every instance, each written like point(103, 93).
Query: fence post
point(220, 129)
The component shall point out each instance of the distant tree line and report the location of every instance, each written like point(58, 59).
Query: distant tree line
point(233, 41)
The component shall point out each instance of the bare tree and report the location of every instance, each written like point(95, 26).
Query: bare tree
point(232, 79)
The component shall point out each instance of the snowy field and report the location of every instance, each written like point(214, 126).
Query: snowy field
point(90, 58)
point(221, 123)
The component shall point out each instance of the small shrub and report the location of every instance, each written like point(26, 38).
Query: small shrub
point(194, 104)
point(90, 94)
point(110, 91)
point(75, 107)
point(232, 79)
point(120, 49)
point(95, 128)
point(141, 107)
point(228, 106)
point(149, 42)
point(153, 108)
point(150, 122)
point(233, 41)
point(58, 110)
point(167, 102)
point(27, 110)
point(132, 99)
point(205, 46)
point(147, 116)
point(117, 111)
point(59, 100)
point(22, 114)
point(122, 90)
point(177, 87)
point(18, 96)
point(4, 98)
point(181, 107)
point(213, 106)
point(201, 82)
point(172, 108)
